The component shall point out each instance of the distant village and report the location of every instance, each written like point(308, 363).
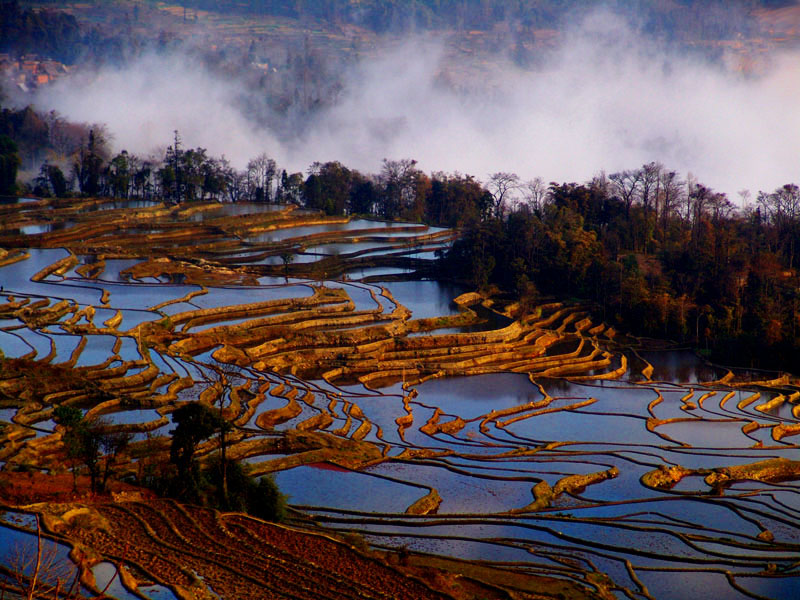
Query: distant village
point(29, 71)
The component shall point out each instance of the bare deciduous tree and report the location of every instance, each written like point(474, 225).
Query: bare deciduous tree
point(782, 208)
point(535, 194)
point(35, 571)
point(260, 172)
point(398, 178)
point(671, 189)
point(626, 185)
point(650, 183)
point(502, 187)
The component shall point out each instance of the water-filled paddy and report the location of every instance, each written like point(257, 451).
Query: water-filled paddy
point(235, 209)
point(352, 227)
point(426, 299)
point(218, 297)
point(18, 548)
point(482, 442)
point(12, 345)
point(325, 485)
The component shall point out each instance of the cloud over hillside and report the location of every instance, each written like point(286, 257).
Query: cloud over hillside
point(607, 99)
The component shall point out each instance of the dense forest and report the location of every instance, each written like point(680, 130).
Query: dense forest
point(57, 35)
point(27, 26)
point(685, 18)
point(659, 254)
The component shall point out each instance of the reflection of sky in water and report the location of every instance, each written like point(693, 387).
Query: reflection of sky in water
point(65, 346)
point(361, 297)
point(462, 493)
point(353, 226)
point(344, 248)
point(469, 549)
point(39, 259)
point(322, 486)
point(583, 426)
point(140, 295)
point(98, 348)
point(682, 366)
point(426, 299)
point(114, 267)
point(20, 200)
point(128, 416)
point(378, 272)
point(120, 204)
point(705, 434)
point(13, 540)
point(473, 548)
point(132, 318)
point(13, 346)
point(129, 349)
point(39, 342)
point(230, 209)
point(470, 397)
point(34, 229)
point(426, 255)
point(219, 297)
point(105, 574)
point(694, 585)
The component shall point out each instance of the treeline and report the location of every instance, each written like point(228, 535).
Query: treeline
point(659, 255)
point(76, 159)
point(42, 135)
point(399, 191)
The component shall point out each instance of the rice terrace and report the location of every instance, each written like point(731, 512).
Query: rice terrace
point(425, 437)
point(399, 300)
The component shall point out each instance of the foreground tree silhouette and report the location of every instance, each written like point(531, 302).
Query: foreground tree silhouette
point(195, 423)
point(222, 484)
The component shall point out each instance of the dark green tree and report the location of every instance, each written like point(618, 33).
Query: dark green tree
point(93, 442)
point(88, 167)
point(9, 163)
point(265, 500)
point(195, 422)
point(58, 183)
point(363, 194)
point(118, 175)
point(327, 188)
point(258, 497)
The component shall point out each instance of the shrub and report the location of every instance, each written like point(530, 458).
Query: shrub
point(266, 501)
point(258, 497)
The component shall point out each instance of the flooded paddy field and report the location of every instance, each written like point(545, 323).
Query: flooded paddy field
point(411, 411)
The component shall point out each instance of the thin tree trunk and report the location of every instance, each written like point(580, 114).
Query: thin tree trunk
point(32, 588)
